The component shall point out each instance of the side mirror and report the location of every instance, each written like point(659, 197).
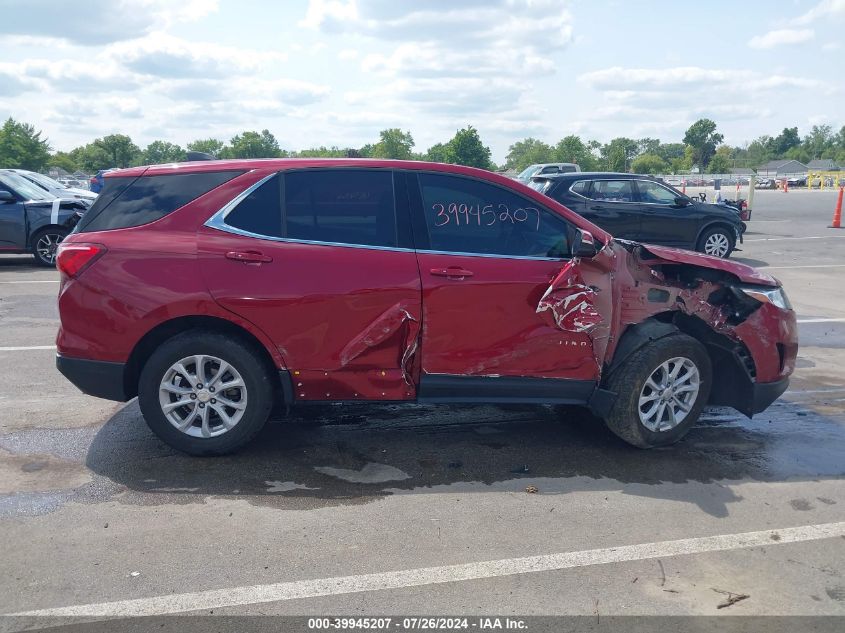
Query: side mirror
point(6, 197)
point(683, 201)
point(584, 245)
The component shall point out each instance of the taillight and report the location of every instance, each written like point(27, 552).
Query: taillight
point(72, 259)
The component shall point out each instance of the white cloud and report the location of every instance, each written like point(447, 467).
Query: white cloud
point(98, 22)
point(780, 37)
point(832, 46)
point(163, 55)
point(823, 9)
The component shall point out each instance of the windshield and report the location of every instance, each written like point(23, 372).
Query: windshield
point(43, 181)
point(529, 171)
point(24, 188)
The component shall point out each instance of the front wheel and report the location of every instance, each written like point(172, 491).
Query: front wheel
point(662, 389)
point(205, 394)
point(718, 242)
point(44, 245)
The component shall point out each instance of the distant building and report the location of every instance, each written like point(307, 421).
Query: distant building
point(822, 164)
point(775, 168)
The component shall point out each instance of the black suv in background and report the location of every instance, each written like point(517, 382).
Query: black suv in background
point(643, 209)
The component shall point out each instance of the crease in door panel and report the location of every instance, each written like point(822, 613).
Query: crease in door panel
point(382, 328)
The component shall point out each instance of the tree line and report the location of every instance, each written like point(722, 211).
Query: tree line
point(22, 146)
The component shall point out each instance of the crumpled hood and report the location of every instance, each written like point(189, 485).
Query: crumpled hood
point(744, 272)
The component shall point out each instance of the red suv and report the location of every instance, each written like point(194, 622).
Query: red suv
point(217, 291)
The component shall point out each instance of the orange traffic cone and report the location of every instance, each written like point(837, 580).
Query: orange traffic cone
point(837, 213)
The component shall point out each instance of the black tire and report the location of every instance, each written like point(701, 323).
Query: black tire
point(55, 235)
point(242, 357)
point(628, 382)
point(722, 231)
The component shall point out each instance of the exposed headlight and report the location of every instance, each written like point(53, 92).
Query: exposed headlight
point(766, 294)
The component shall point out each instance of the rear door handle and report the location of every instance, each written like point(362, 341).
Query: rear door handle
point(453, 272)
point(249, 257)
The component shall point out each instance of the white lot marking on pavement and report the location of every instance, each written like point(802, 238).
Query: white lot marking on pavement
point(780, 239)
point(810, 266)
point(297, 590)
point(834, 320)
point(32, 281)
point(26, 349)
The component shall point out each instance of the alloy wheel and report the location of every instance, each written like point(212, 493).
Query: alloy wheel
point(669, 394)
point(46, 246)
point(203, 396)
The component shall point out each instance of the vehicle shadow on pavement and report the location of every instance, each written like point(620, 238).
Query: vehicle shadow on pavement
point(333, 455)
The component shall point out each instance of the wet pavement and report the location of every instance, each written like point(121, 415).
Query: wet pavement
point(88, 495)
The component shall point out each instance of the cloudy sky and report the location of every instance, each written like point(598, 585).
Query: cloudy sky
point(335, 72)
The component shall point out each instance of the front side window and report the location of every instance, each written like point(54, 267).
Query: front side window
point(612, 191)
point(468, 216)
point(653, 193)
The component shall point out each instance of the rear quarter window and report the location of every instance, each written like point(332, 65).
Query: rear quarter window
point(128, 202)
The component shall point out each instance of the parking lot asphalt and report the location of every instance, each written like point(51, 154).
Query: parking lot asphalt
point(422, 509)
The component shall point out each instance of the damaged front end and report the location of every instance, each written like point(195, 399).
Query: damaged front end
point(740, 315)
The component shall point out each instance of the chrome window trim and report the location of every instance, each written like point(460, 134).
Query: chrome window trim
point(217, 221)
point(575, 193)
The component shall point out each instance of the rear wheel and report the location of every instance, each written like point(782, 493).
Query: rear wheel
point(44, 245)
point(718, 241)
point(662, 389)
point(205, 394)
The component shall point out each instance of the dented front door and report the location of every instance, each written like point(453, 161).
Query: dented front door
point(501, 296)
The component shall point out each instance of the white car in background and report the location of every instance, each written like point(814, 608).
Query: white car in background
point(55, 187)
point(543, 169)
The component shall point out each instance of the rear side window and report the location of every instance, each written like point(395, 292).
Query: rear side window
point(260, 212)
point(580, 187)
point(345, 206)
point(612, 191)
point(340, 206)
point(127, 202)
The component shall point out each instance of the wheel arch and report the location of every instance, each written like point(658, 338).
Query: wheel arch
point(732, 385)
point(30, 240)
point(718, 223)
point(148, 343)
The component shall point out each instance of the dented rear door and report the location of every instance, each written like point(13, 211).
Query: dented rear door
point(501, 295)
point(328, 275)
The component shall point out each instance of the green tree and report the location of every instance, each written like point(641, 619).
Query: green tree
point(819, 142)
point(719, 164)
point(393, 143)
point(325, 152)
point(670, 151)
point(466, 148)
point(63, 160)
point(784, 141)
point(703, 138)
point(22, 147)
point(436, 153)
point(159, 152)
point(91, 158)
point(616, 154)
point(118, 149)
point(648, 146)
point(253, 145)
point(207, 145)
point(649, 164)
point(527, 152)
point(571, 149)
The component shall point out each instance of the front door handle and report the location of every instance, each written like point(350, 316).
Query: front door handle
point(453, 272)
point(249, 257)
